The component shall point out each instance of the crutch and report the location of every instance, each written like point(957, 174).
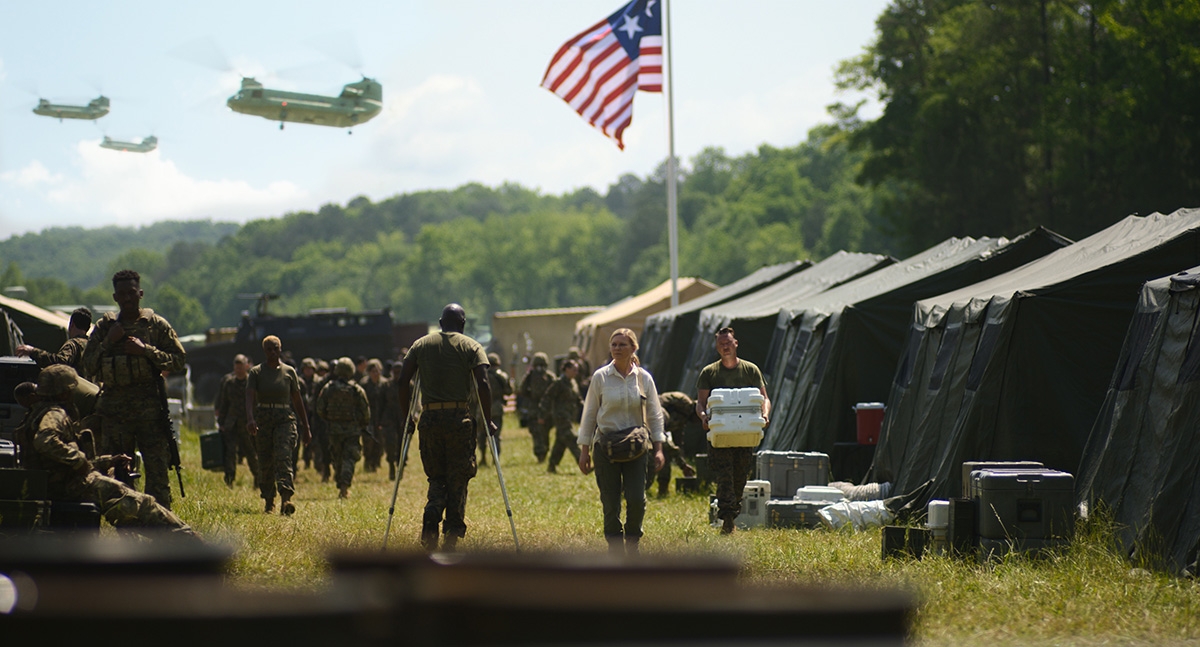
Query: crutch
point(499, 472)
point(403, 456)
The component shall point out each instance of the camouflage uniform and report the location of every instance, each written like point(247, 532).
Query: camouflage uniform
point(560, 404)
point(447, 430)
point(679, 411)
point(502, 387)
point(343, 406)
point(320, 438)
point(392, 427)
point(71, 354)
point(730, 465)
point(276, 439)
point(372, 444)
point(230, 410)
point(73, 477)
point(132, 397)
point(533, 387)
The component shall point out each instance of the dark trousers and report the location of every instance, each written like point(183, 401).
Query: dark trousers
point(344, 453)
point(148, 435)
point(238, 442)
point(565, 440)
point(617, 480)
point(447, 443)
point(730, 466)
point(275, 442)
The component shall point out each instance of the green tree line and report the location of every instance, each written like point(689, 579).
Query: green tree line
point(506, 247)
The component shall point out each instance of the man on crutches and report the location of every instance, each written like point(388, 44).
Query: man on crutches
point(446, 363)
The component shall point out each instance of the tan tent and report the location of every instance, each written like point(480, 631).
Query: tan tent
point(592, 332)
point(38, 327)
point(518, 334)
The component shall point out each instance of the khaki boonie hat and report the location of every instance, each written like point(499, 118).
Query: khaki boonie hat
point(57, 379)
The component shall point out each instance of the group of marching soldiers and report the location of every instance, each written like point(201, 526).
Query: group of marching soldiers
point(352, 409)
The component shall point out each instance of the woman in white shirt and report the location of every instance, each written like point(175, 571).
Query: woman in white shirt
point(622, 394)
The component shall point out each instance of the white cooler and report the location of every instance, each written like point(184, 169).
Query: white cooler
point(735, 417)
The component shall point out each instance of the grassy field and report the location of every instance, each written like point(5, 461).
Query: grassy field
point(1086, 596)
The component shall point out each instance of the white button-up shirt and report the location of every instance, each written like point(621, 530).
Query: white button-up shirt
point(614, 401)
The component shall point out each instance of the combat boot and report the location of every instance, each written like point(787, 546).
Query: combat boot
point(287, 508)
point(343, 493)
point(727, 526)
point(616, 545)
point(391, 471)
point(449, 543)
point(429, 540)
point(631, 545)
point(269, 506)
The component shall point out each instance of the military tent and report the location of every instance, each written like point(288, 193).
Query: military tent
point(592, 331)
point(753, 316)
point(38, 327)
point(1142, 461)
point(1015, 367)
point(667, 335)
point(841, 346)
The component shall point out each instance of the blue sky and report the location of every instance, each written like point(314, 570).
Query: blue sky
point(462, 101)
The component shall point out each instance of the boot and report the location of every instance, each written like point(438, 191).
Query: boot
point(429, 541)
point(727, 526)
point(269, 506)
point(616, 545)
point(631, 545)
point(391, 471)
point(449, 543)
point(229, 481)
point(287, 508)
point(343, 493)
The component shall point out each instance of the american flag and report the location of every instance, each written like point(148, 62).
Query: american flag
point(598, 71)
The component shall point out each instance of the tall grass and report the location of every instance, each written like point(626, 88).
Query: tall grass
point(1084, 595)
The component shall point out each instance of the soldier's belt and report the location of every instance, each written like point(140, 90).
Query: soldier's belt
point(437, 406)
point(268, 405)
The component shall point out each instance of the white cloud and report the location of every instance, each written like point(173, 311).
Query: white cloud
point(32, 175)
point(134, 189)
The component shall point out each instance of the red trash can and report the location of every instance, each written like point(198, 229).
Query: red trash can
point(869, 419)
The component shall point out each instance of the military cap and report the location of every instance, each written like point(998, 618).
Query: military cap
point(541, 359)
point(344, 368)
point(573, 352)
point(323, 366)
point(308, 362)
point(57, 379)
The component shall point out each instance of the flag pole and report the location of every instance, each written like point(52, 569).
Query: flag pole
point(672, 206)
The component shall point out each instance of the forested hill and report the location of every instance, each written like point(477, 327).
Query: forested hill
point(501, 248)
point(80, 257)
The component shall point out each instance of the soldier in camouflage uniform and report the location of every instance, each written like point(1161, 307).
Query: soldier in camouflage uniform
point(342, 404)
point(392, 424)
point(584, 377)
point(533, 387)
point(127, 352)
point(448, 361)
point(502, 387)
point(273, 408)
point(230, 411)
point(71, 352)
point(730, 465)
point(679, 411)
point(374, 385)
point(52, 439)
point(560, 405)
point(318, 449)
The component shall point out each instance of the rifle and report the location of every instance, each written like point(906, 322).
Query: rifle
point(168, 427)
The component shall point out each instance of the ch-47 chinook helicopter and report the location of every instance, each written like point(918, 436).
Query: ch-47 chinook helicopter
point(95, 109)
point(145, 146)
point(359, 102)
